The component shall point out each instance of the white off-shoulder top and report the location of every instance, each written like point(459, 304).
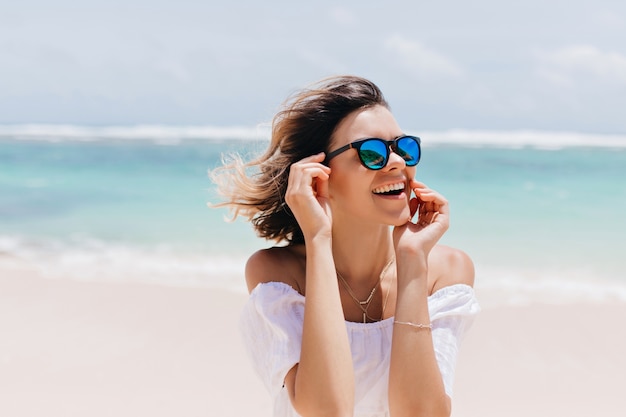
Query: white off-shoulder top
point(271, 325)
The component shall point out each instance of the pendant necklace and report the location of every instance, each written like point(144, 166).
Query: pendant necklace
point(364, 305)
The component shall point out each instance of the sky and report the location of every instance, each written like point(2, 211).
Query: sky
point(485, 64)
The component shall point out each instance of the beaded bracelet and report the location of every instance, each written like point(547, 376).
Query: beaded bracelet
point(415, 325)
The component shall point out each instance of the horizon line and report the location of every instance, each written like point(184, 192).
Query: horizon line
point(173, 134)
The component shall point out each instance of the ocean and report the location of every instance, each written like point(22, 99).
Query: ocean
point(540, 213)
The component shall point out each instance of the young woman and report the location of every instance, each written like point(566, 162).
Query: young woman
point(360, 312)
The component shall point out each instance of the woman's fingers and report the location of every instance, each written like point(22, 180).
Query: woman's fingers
point(303, 171)
point(307, 194)
point(313, 161)
point(307, 178)
point(428, 213)
point(427, 194)
point(319, 157)
point(321, 187)
point(430, 206)
point(423, 193)
point(413, 206)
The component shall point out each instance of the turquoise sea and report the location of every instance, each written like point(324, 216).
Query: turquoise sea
point(539, 221)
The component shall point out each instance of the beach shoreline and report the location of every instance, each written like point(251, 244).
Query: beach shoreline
point(77, 348)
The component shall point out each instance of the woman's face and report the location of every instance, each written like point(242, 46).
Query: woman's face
point(357, 192)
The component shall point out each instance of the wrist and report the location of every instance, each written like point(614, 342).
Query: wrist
point(412, 269)
point(319, 238)
point(411, 260)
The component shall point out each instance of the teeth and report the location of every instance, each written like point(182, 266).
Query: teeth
point(390, 187)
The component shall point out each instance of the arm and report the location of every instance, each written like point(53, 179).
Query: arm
point(323, 382)
point(415, 383)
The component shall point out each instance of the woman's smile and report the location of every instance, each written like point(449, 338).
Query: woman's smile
point(393, 189)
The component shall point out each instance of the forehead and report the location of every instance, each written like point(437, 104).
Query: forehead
point(371, 122)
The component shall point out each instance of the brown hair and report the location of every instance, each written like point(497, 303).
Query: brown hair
point(302, 128)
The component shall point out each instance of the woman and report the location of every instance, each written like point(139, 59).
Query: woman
point(351, 317)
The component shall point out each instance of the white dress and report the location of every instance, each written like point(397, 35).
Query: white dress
point(271, 325)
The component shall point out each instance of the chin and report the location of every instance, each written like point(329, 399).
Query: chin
point(401, 218)
point(400, 222)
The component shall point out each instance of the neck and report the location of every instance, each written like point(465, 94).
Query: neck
point(361, 253)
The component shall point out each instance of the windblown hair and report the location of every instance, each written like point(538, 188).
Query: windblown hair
point(303, 127)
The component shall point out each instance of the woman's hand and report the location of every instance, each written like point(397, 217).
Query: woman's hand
point(307, 195)
point(418, 238)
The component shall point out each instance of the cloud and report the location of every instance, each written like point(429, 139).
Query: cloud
point(567, 65)
point(343, 16)
point(420, 60)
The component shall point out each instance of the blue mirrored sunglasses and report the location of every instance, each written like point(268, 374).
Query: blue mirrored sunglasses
point(374, 152)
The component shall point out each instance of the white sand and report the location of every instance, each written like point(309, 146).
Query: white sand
point(72, 348)
point(88, 349)
point(544, 360)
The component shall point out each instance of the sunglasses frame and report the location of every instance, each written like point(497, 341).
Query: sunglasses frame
point(390, 145)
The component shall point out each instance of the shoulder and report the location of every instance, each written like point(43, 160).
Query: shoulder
point(278, 264)
point(449, 266)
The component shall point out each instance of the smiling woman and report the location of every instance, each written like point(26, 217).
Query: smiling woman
point(361, 307)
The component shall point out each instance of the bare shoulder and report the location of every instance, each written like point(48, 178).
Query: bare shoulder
point(277, 264)
point(449, 266)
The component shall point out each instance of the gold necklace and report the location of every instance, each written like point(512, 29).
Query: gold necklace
point(369, 299)
point(382, 314)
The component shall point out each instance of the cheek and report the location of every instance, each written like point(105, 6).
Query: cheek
point(339, 189)
point(346, 187)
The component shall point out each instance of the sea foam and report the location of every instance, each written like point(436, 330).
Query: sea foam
point(524, 138)
point(155, 133)
point(175, 134)
point(88, 259)
point(525, 286)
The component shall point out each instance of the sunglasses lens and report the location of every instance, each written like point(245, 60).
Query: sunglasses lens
point(373, 153)
point(408, 148)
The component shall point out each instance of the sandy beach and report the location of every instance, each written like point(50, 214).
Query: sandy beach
point(71, 348)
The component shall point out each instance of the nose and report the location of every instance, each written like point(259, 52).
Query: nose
point(395, 161)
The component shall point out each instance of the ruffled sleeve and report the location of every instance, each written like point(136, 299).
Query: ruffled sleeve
point(452, 311)
point(271, 327)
